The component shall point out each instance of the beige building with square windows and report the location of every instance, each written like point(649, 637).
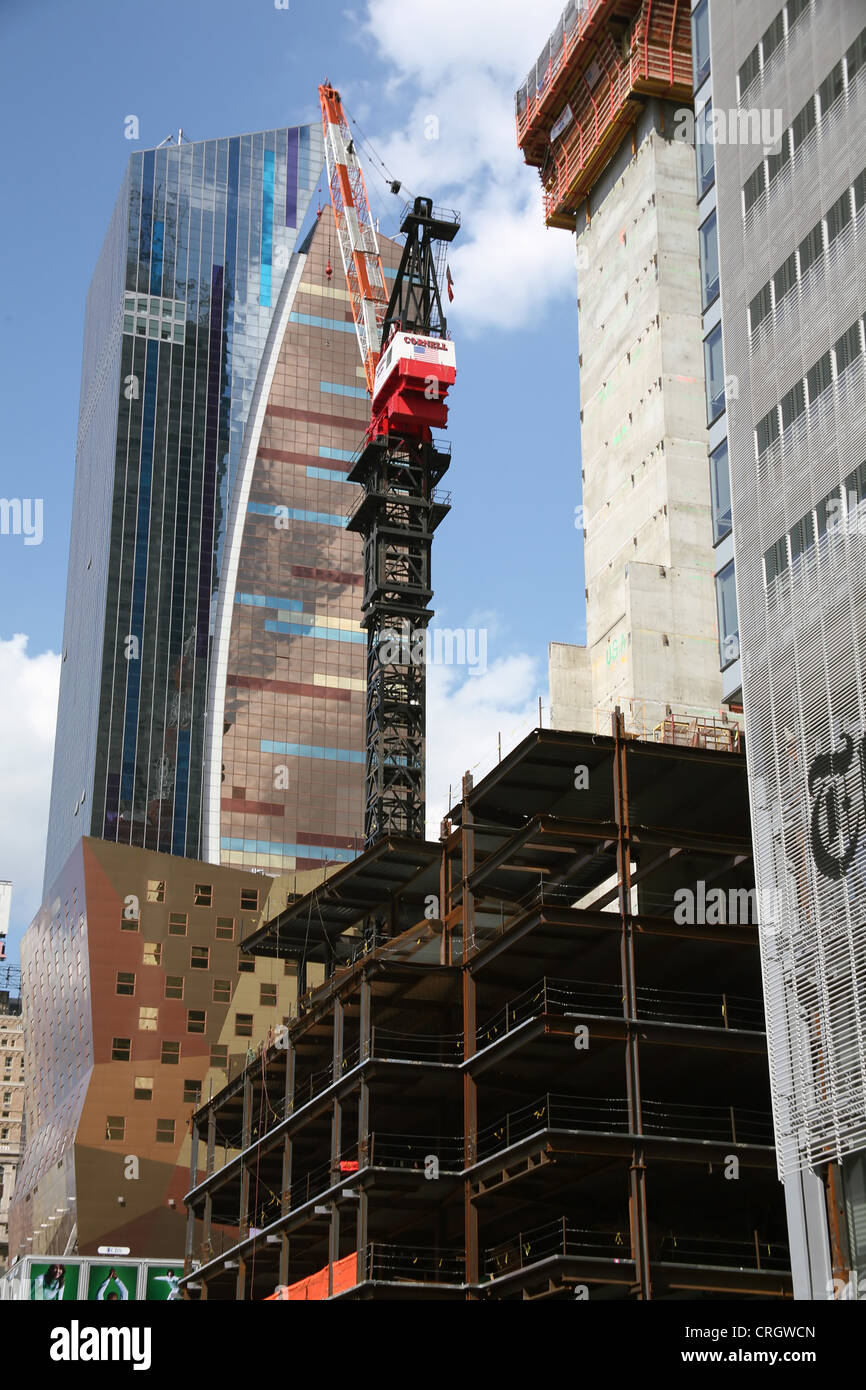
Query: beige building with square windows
point(11, 1105)
point(139, 1002)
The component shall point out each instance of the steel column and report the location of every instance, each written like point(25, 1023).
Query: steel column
point(637, 1169)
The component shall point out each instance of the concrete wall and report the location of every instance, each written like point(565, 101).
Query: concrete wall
point(651, 614)
point(570, 687)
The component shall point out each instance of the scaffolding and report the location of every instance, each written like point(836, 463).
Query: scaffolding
point(602, 61)
point(697, 730)
point(525, 1072)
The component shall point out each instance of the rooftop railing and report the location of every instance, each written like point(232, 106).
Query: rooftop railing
point(575, 997)
point(565, 1238)
point(610, 1114)
point(413, 1264)
point(555, 1238)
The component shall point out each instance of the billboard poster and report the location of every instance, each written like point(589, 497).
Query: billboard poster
point(162, 1283)
point(53, 1282)
point(111, 1283)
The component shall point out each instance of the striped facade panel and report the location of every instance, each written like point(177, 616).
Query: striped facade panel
point(798, 448)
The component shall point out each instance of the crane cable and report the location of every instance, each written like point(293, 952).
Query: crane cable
point(393, 184)
point(387, 176)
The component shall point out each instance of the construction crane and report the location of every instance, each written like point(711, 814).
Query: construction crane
point(410, 364)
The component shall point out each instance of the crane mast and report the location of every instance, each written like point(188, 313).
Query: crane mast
point(410, 365)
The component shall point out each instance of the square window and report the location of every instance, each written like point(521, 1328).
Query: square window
point(773, 37)
point(828, 513)
point(249, 900)
point(767, 431)
point(165, 1131)
point(785, 277)
point(847, 348)
point(776, 162)
point(810, 248)
point(720, 487)
point(174, 986)
point(753, 187)
point(715, 373)
point(855, 485)
point(831, 88)
point(760, 307)
point(199, 957)
point(191, 1092)
point(121, 1049)
point(152, 953)
point(819, 377)
point(225, 928)
point(125, 982)
point(219, 1056)
point(243, 1025)
point(170, 1053)
point(803, 124)
point(793, 404)
point(222, 991)
point(709, 259)
point(156, 890)
point(148, 1019)
point(801, 536)
point(177, 923)
point(246, 964)
point(143, 1089)
point(700, 43)
point(729, 629)
point(203, 896)
point(856, 55)
point(750, 69)
point(268, 996)
point(838, 216)
point(115, 1127)
point(128, 923)
point(196, 1020)
point(776, 560)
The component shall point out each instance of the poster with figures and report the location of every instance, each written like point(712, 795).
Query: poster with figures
point(162, 1283)
point(54, 1282)
point(112, 1283)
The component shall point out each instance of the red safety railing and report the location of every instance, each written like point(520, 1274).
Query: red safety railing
point(532, 104)
point(597, 112)
point(582, 144)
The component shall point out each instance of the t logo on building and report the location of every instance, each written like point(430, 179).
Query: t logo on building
point(835, 819)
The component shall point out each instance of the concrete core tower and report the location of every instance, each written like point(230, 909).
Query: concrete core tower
point(604, 116)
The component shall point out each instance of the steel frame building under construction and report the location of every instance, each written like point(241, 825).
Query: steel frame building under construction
point(529, 1071)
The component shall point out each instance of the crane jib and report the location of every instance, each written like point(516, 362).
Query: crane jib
point(356, 235)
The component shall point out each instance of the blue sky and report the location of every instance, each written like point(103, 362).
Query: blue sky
point(508, 557)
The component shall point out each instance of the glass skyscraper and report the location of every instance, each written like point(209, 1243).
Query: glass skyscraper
point(211, 700)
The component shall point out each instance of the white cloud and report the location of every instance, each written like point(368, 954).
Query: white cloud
point(460, 63)
point(30, 685)
point(432, 40)
point(465, 713)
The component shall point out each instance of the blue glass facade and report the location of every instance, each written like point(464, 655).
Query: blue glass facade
point(178, 317)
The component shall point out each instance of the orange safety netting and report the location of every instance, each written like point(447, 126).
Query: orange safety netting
point(315, 1286)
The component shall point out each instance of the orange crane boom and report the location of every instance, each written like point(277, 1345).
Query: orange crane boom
point(359, 245)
